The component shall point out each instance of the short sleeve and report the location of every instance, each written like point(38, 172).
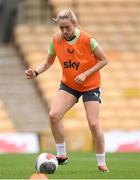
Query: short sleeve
point(51, 50)
point(93, 44)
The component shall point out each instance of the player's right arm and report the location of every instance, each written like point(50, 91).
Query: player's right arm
point(46, 64)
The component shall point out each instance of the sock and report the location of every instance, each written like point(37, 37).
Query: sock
point(100, 159)
point(61, 149)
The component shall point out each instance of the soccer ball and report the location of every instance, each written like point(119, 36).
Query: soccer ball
point(46, 163)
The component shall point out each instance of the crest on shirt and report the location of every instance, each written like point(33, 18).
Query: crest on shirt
point(70, 50)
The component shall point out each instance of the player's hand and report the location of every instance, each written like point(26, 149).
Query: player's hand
point(30, 74)
point(80, 78)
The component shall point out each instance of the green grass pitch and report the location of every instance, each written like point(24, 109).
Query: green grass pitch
point(80, 166)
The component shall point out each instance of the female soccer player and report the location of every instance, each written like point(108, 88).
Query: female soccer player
point(81, 58)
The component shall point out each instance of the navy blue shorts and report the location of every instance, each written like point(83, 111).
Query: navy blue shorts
point(92, 95)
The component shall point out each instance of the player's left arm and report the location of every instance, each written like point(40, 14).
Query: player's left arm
point(102, 61)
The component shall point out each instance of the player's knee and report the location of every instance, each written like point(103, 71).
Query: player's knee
point(54, 117)
point(93, 126)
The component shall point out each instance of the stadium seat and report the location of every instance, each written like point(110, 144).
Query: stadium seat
point(6, 125)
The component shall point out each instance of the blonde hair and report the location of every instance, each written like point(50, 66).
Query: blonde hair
point(66, 14)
